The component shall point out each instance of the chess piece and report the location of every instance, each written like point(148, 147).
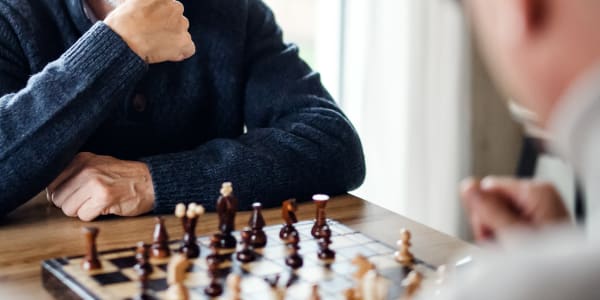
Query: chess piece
point(350, 294)
point(142, 258)
point(189, 220)
point(160, 243)
point(363, 266)
point(403, 254)
point(214, 289)
point(226, 209)
point(314, 295)
point(288, 213)
point(234, 287)
point(441, 273)
point(142, 285)
point(258, 238)
point(411, 284)
point(176, 273)
point(374, 286)
point(246, 254)
point(90, 261)
point(325, 254)
point(320, 219)
point(143, 269)
point(293, 260)
point(214, 257)
point(278, 292)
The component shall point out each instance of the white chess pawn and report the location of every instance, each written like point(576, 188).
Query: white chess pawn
point(374, 286)
point(176, 272)
point(411, 284)
point(234, 282)
point(441, 274)
point(403, 254)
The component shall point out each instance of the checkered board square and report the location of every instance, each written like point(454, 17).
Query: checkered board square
point(64, 278)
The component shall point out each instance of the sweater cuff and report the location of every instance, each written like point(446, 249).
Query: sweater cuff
point(169, 190)
point(101, 49)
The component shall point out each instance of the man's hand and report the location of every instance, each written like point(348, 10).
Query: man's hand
point(498, 203)
point(156, 30)
point(94, 185)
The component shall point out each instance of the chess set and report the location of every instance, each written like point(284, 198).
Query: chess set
point(316, 259)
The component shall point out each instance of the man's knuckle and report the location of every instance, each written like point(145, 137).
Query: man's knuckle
point(178, 7)
point(102, 191)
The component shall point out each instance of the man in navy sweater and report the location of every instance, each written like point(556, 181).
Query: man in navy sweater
point(128, 107)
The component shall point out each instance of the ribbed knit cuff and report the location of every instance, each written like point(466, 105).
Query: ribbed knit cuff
point(100, 50)
point(169, 188)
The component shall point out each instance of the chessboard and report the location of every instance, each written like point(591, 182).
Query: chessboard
point(65, 279)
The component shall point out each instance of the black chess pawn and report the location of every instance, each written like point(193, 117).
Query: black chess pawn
point(246, 254)
point(160, 243)
point(143, 265)
point(258, 238)
point(293, 260)
point(143, 268)
point(325, 253)
point(214, 289)
point(213, 257)
point(288, 213)
point(321, 219)
point(226, 209)
point(90, 261)
point(143, 276)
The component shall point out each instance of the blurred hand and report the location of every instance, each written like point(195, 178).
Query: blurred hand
point(94, 185)
point(156, 30)
point(498, 203)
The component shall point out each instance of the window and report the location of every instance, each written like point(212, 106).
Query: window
point(315, 26)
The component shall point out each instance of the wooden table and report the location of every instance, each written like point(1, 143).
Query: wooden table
point(37, 231)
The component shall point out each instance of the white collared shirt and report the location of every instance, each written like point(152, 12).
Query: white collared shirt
point(575, 131)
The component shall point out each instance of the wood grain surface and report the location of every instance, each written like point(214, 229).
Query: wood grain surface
point(38, 231)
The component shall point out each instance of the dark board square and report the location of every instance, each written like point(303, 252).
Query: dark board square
point(124, 262)
point(163, 267)
point(158, 284)
point(110, 278)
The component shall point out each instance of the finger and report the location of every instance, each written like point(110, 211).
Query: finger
point(495, 214)
point(75, 201)
point(90, 210)
point(469, 190)
point(69, 187)
point(509, 187)
point(184, 23)
point(188, 49)
point(481, 232)
point(71, 169)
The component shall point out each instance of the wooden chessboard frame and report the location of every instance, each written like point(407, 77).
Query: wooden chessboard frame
point(60, 275)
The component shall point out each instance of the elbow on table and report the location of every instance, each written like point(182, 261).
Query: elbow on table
point(346, 169)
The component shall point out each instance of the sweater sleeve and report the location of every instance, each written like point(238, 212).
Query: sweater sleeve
point(298, 141)
point(46, 117)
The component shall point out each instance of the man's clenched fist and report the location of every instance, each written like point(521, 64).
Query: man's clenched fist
point(156, 30)
point(94, 185)
point(499, 203)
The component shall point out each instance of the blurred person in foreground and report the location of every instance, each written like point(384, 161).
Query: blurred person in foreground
point(546, 55)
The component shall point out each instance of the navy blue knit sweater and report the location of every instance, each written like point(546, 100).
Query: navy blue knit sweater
point(68, 86)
